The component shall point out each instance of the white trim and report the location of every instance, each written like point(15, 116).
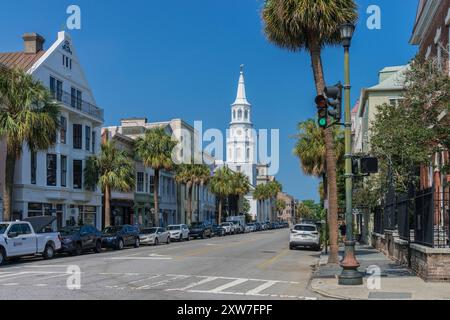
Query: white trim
point(424, 22)
point(447, 19)
point(437, 37)
point(428, 53)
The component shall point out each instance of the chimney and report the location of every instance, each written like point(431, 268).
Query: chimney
point(33, 43)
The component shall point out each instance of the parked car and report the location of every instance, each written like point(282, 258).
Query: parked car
point(120, 236)
point(154, 236)
point(258, 226)
point(218, 230)
point(178, 232)
point(24, 238)
point(75, 240)
point(200, 230)
point(229, 227)
point(238, 227)
point(305, 235)
point(248, 228)
point(252, 226)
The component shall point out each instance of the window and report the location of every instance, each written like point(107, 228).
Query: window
point(67, 62)
point(87, 137)
point(63, 130)
point(395, 102)
point(146, 183)
point(33, 167)
point(239, 114)
point(56, 88)
point(77, 174)
point(94, 136)
point(152, 184)
point(77, 136)
point(248, 153)
point(234, 114)
point(140, 182)
point(63, 171)
point(51, 170)
point(76, 98)
point(246, 115)
point(238, 168)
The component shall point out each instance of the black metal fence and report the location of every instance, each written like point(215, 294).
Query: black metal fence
point(431, 218)
point(378, 221)
point(390, 216)
point(402, 205)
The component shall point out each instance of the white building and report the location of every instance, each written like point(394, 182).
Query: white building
point(241, 149)
point(50, 182)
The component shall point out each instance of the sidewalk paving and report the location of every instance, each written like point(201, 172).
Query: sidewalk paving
point(396, 282)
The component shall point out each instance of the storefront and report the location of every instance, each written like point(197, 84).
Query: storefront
point(143, 208)
point(122, 212)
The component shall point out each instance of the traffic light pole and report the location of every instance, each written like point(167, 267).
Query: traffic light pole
point(350, 274)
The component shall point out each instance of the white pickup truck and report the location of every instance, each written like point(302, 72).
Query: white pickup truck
point(19, 239)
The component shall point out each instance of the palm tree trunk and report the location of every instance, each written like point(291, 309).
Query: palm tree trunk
point(107, 206)
point(219, 217)
point(189, 216)
point(330, 158)
point(9, 186)
point(156, 200)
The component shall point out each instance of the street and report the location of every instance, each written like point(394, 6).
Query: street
point(247, 266)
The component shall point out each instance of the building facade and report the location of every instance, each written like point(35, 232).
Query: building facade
point(288, 214)
point(50, 182)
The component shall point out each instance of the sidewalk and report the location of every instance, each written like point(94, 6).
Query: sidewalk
point(396, 282)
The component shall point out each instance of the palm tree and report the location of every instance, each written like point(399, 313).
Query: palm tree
point(112, 169)
point(154, 149)
point(192, 175)
point(28, 115)
point(311, 25)
point(221, 185)
point(261, 193)
point(241, 186)
point(274, 188)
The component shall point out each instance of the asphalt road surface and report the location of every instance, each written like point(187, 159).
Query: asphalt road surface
point(249, 266)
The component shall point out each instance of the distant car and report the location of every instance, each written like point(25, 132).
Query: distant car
point(305, 235)
point(178, 232)
point(252, 226)
point(120, 236)
point(154, 236)
point(229, 227)
point(258, 226)
point(218, 230)
point(75, 240)
point(200, 230)
point(238, 228)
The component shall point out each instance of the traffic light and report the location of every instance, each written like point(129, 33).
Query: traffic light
point(333, 95)
point(322, 111)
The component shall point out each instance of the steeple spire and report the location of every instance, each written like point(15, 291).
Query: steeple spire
point(241, 98)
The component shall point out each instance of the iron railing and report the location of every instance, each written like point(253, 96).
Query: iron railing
point(402, 205)
point(390, 217)
point(79, 104)
point(378, 221)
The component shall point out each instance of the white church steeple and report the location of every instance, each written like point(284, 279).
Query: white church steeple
point(241, 98)
point(240, 109)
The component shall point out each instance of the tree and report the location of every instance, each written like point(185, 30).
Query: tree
point(246, 207)
point(221, 185)
point(240, 186)
point(112, 169)
point(280, 205)
point(28, 115)
point(192, 175)
point(155, 150)
point(311, 25)
point(261, 193)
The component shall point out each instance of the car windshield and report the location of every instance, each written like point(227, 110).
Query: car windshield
point(174, 228)
point(149, 231)
point(196, 225)
point(3, 227)
point(112, 229)
point(68, 231)
point(305, 228)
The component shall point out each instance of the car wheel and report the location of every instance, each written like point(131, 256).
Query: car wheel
point(2, 257)
point(49, 252)
point(181, 238)
point(137, 243)
point(156, 241)
point(78, 249)
point(291, 247)
point(98, 247)
point(120, 244)
point(168, 240)
point(210, 235)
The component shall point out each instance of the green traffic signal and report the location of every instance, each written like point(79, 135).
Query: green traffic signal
point(323, 122)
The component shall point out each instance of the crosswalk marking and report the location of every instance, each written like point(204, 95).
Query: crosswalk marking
point(228, 285)
point(195, 284)
point(149, 278)
point(257, 291)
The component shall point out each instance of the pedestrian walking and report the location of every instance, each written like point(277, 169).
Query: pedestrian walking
point(343, 230)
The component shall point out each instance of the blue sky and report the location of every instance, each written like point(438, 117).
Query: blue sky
point(180, 59)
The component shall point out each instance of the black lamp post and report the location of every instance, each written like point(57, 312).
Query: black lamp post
point(350, 274)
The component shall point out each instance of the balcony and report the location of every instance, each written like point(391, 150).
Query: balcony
point(73, 102)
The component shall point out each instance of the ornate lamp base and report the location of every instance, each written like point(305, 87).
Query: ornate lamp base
point(350, 275)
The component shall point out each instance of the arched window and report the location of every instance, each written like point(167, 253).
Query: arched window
point(240, 114)
point(246, 115)
point(248, 153)
point(234, 114)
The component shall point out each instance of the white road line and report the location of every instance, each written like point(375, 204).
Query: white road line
point(49, 266)
point(158, 284)
point(195, 284)
point(228, 285)
point(139, 258)
point(120, 274)
point(258, 290)
point(10, 284)
point(149, 278)
point(52, 277)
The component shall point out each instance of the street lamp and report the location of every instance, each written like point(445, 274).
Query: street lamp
point(350, 274)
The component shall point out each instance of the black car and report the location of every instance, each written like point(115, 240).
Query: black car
point(218, 230)
point(120, 236)
point(258, 226)
point(200, 230)
point(75, 240)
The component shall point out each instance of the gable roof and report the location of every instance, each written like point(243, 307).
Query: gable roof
point(20, 60)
